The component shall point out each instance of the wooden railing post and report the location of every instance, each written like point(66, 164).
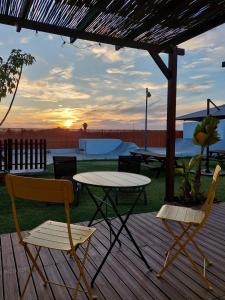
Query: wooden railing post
point(10, 154)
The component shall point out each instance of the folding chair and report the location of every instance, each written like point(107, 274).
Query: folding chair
point(65, 167)
point(191, 221)
point(130, 164)
point(50, 234)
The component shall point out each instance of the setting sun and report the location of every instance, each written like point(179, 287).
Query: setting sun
point(68, 123)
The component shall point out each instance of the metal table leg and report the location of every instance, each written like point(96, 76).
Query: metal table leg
point(99, 209)
point(123, 222)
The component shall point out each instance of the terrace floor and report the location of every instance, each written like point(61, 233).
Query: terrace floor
point(124, 276)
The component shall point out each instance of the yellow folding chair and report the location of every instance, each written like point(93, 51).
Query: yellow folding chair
point(191, 222)
point(50, 234)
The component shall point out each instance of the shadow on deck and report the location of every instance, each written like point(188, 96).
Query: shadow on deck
point(124, 276)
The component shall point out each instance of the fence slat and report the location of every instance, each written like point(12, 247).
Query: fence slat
point(31, 154)
point(16, 154)
point(6, 155)
point(10, 153)
point(26, 154)
point(45, 155)
point(36, 154)
point(21, 154)
point(40, 153)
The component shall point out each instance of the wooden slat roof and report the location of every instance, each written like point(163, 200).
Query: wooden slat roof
point(147, 24)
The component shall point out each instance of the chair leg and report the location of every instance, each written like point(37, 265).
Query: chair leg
point(116, 196)
point(145, 197)
point(34, 265)
point(197, 247)
point(82, 275)
point(181, 249)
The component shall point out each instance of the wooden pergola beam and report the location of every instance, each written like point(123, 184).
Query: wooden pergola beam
point(49, 28)
point(23, 13)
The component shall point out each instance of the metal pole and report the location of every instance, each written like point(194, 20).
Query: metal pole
point(207, 148)
point(148, 95)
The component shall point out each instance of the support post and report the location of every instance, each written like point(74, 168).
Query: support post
point(170, 72)
point(171, 125)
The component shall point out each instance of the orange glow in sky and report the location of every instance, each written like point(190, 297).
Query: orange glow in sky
point(68, 123)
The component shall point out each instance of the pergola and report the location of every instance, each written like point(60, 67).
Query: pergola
point(152, 25)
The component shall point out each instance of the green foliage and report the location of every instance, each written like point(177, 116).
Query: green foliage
point(205, 133)
point(187, 191)
point(11, 70)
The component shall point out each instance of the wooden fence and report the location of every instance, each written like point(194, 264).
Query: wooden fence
point(59, 138)
point(19, 154)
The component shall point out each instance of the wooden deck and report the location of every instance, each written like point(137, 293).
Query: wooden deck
point(124, 276)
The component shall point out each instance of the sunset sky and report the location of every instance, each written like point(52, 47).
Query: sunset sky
point(87, 82)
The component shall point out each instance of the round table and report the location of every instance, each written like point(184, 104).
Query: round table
point(107, 181)
point(110, 179)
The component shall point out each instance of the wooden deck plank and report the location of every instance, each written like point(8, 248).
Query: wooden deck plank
point(115, 279)
point(179, 277)
point(23, 268)
point(43, 292)
point(138, 271)
point(184, 264)
point(10, 280)
point(53, 274)
point(124, 275)
point(66, 272)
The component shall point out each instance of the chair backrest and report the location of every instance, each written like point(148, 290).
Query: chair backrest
point(130, 164)
point(208, 204)
point(39, 189)
point(64, 166)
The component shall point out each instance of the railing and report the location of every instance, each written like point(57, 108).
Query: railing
point(22, 154)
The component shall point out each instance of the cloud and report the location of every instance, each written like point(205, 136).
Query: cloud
point(204, 41)
point(50, 37)
point(194, 86)
point(200, 76)
point(25, 40)
point(196, 63)
point(107, 54)
point(125, 70)
point(121, 70)
point(61, 73)
point(151, 85)
point(44, 90)
point(48, 118)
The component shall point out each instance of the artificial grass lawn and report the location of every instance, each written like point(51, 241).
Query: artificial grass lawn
point(33, 213)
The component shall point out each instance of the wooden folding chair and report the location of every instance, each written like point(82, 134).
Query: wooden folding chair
point(191, 221)
point(50, 234)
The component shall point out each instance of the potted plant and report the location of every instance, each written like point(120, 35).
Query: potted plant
point(205, 134)
point(187, 192)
